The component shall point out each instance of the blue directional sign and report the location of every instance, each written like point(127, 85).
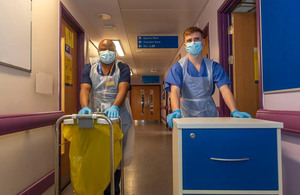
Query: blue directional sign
point(152, 42)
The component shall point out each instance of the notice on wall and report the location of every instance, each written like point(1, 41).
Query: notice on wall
point(68, 70)
point(69, 37)
point(44, 83)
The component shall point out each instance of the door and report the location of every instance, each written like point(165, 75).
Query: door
point(145, 102)
point(205, 50)
point(244, 42)
point(68, 90)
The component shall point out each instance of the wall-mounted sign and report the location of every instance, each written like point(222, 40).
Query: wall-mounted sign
point(67, 48)
point(68, 70)
point(152, 42)
point(69, 37)
point(150, 79)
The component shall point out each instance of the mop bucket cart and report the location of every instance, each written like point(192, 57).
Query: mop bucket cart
point(87, 121)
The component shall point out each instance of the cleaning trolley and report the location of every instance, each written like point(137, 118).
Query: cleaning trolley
point(95, 152)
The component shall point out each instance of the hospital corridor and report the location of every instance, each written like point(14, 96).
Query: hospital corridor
point(149, 97)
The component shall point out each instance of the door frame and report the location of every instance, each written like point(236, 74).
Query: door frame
point(206, 34)
point(67, 16)
point(223, 20)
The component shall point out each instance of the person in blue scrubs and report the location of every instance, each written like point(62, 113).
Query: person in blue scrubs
point(192, 80)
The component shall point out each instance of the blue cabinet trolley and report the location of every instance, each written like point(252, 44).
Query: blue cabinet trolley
point(226, 156)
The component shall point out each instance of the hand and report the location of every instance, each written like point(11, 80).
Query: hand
point(85, 110)
point(112, 112)
point(174, 114)
point(238, 114)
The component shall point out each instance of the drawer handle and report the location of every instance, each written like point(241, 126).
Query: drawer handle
point(230, 160)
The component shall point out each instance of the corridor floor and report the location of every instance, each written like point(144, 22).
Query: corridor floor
point(150, 172)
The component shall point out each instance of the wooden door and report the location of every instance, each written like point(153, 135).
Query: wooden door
point(244, 40)
point(68, 90)
point(205, 50)
point(145, 102)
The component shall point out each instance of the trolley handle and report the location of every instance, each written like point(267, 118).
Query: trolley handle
point(84, 116)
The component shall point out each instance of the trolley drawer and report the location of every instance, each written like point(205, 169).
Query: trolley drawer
point(230, 159)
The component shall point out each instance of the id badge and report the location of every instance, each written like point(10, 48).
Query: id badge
point(104, 106)
point(110, 83)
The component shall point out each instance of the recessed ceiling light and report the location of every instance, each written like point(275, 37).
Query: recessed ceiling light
point(119, 47)
point(153, 70)
point(104, 16)
point(109, 27)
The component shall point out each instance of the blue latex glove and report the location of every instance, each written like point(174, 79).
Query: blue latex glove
point(174, 114)
point(85, 110)
point(112, 112)
point(238, 114)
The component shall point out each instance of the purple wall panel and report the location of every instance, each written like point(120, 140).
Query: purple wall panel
point(289, 118)
point(20, 122)
point(40, 186)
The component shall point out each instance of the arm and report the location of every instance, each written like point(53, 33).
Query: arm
point(84, 95)
point(228, 98)
point(175, 103)
point(175, 97)
point(123, 89)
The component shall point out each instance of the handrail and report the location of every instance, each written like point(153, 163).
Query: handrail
point(21, 122)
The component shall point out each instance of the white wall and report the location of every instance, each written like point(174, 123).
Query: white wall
point(18, 87)
point(282, 101)
point(291, 163)
point(25, 157)
point(28, 156)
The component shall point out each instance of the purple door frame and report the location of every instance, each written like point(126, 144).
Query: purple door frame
point(223, 19)
point(205, 34)
point(67, 16)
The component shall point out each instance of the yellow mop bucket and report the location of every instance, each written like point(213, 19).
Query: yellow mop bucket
point(90, 156)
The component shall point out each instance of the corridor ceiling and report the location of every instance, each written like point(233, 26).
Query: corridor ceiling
point(132, 18)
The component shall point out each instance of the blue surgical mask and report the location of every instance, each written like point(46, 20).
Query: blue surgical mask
point(194, 48)
point(107, 56)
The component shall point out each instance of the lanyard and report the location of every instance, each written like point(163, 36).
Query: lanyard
point(100, 69)
point(101, 74)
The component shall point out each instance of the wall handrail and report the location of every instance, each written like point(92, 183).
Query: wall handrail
point(289, 118)
point(21, 122)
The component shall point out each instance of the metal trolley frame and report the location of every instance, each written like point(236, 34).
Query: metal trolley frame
point(83, 117)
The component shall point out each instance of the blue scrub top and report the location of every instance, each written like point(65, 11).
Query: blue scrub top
point(175, 75)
